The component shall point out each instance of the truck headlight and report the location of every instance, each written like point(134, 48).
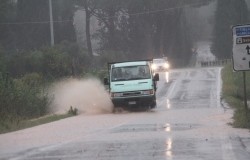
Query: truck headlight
point(147, 92)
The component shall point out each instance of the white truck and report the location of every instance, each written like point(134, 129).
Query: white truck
point(132, 84)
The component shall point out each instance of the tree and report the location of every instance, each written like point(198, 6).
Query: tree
point(63, 14)
point(228, 13)
point(33, 29)
point(7, 15)
point(3, 16)
point(108, 13)
point(146, 28)
point(89, 8)
point(159, 28)
point(33, 17)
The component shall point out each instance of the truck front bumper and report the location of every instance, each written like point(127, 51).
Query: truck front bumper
point(135, 101)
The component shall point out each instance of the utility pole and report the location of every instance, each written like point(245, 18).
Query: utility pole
point(51, 24)
point(244, 73)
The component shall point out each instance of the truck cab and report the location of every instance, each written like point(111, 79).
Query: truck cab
point(132, 84)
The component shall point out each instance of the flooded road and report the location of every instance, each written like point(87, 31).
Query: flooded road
point(189, 123)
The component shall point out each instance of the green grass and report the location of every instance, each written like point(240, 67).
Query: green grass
point(232, 92)
point(14, 126)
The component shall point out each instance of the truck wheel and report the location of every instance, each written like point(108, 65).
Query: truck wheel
point(118, 110)
point(153, 105)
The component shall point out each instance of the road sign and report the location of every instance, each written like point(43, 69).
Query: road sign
point(241, 47)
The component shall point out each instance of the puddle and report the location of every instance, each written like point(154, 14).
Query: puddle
point(154, 127)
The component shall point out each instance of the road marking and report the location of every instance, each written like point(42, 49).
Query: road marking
point(227, 149)
point(219, 87)
point(171, 89)
point(182, 96)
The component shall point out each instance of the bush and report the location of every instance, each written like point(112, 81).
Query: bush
point(33, 100)
point(72, 111)
point(21, 98)
point(2, 60)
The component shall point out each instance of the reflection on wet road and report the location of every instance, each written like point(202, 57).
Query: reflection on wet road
point(198, 88)
point(188, 124)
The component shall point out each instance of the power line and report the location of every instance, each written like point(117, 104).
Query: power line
point(167, 9)
point(162, 10)
point(132, 14)
point(34, 22)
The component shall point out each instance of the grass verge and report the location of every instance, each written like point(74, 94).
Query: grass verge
point(14, 126)
point(233, 93)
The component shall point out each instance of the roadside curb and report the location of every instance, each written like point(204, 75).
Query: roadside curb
point(246, 143)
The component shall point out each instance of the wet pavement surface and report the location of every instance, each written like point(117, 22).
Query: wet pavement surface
point(189, 123)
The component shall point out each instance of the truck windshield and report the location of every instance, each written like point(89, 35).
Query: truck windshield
point(130, 73)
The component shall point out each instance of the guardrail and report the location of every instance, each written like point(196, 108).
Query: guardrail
point(213, 63)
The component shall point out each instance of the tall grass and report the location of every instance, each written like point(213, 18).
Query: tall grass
point(233, 93)
point(21, 99)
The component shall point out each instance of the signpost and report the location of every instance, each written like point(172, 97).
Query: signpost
point(241, 53)
point(241, 48)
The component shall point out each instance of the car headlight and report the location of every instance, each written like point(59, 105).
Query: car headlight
point(116, 94)
point(166, 65)
point(147, 92)
point(153, 66)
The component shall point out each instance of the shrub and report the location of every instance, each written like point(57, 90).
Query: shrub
point(72, 111)
point(21, 98)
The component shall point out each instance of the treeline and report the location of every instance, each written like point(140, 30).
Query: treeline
point(228, 14)
point(132, 29)
point(145, 28)
point(25, 23)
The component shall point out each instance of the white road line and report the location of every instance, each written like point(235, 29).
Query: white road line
point(219, 87)
point(182, 96)
point(227, 149)
point(171, 89)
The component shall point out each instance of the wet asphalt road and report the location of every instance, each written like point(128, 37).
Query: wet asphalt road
point(189, 123)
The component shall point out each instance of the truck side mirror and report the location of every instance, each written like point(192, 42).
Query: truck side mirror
point(106, 81)
point(156, 77)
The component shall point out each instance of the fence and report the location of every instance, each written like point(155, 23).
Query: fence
point(213, 63)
